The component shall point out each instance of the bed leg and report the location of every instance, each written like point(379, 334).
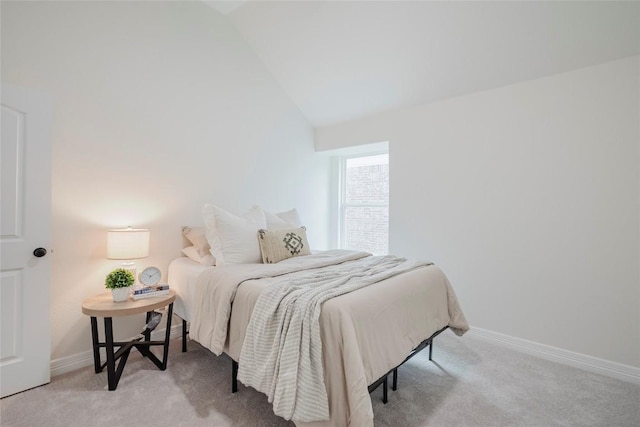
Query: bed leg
point(234, 376)
point(384, 390)
point(430, 349)
point(184, 336)
point(394, 385)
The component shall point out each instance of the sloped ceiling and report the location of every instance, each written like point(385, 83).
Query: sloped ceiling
point(342, 60)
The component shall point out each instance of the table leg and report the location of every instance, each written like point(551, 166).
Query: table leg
point(114, 373)
point(145, 346)
point(147, 335)
point(111, 363)
point(96, 344)
point(167, 335)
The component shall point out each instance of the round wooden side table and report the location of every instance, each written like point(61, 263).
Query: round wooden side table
point(102, 305)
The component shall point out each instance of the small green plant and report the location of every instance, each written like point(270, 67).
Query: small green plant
point(119, 278)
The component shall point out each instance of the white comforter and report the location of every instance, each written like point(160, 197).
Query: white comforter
point(282, 351)
point(364, 333)
point(217, 292)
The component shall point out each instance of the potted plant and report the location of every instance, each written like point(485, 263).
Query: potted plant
point(120, 282)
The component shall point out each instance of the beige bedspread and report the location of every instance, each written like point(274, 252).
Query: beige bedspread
point(364, 333)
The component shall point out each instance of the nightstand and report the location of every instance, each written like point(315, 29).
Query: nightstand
point(103, 306)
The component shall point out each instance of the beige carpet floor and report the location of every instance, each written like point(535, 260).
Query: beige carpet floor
point(470, 383)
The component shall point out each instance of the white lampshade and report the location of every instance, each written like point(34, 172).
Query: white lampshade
point(128, 243)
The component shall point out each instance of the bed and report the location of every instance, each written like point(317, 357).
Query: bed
point(364, 334)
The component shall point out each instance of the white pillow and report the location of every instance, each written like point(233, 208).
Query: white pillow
point(283, 220)
point(196, 235)
point(234, 239)
point(192, 253)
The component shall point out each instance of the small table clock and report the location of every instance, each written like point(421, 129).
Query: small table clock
point(150, 276)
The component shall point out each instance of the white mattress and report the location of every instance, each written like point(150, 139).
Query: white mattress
point(183, 278)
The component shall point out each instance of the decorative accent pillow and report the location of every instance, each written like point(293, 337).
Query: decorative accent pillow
point(197, 237)
point(192, 253)
point(233, 238)
point(278, 245)
point(282, 220)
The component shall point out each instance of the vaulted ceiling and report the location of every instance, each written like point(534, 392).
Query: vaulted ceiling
point(342, 60)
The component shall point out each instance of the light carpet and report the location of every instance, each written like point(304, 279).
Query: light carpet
point(469, 383)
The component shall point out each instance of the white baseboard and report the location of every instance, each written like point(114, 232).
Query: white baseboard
point(81, 360)
point(555, 354)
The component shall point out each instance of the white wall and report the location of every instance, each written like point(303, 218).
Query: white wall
point(528, 196)
point(159, 107)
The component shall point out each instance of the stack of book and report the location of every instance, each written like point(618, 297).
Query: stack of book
point(151, 291)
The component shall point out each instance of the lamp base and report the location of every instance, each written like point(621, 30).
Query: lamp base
point(130, 266)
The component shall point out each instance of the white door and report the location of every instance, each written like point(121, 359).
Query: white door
point(25, 282)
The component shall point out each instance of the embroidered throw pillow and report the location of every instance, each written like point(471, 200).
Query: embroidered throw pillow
point(278, 245)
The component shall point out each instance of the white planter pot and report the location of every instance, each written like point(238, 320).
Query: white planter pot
point(120, 294)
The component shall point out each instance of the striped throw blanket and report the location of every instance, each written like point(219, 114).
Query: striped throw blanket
point(282, 351)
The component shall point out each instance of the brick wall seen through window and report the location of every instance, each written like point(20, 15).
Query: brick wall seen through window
point(365, 203)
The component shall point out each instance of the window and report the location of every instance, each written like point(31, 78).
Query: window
point(364, 203)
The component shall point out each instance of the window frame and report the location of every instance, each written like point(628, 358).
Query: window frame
point(342, 193)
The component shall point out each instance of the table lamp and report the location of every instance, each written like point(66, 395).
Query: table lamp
point(128, 244)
